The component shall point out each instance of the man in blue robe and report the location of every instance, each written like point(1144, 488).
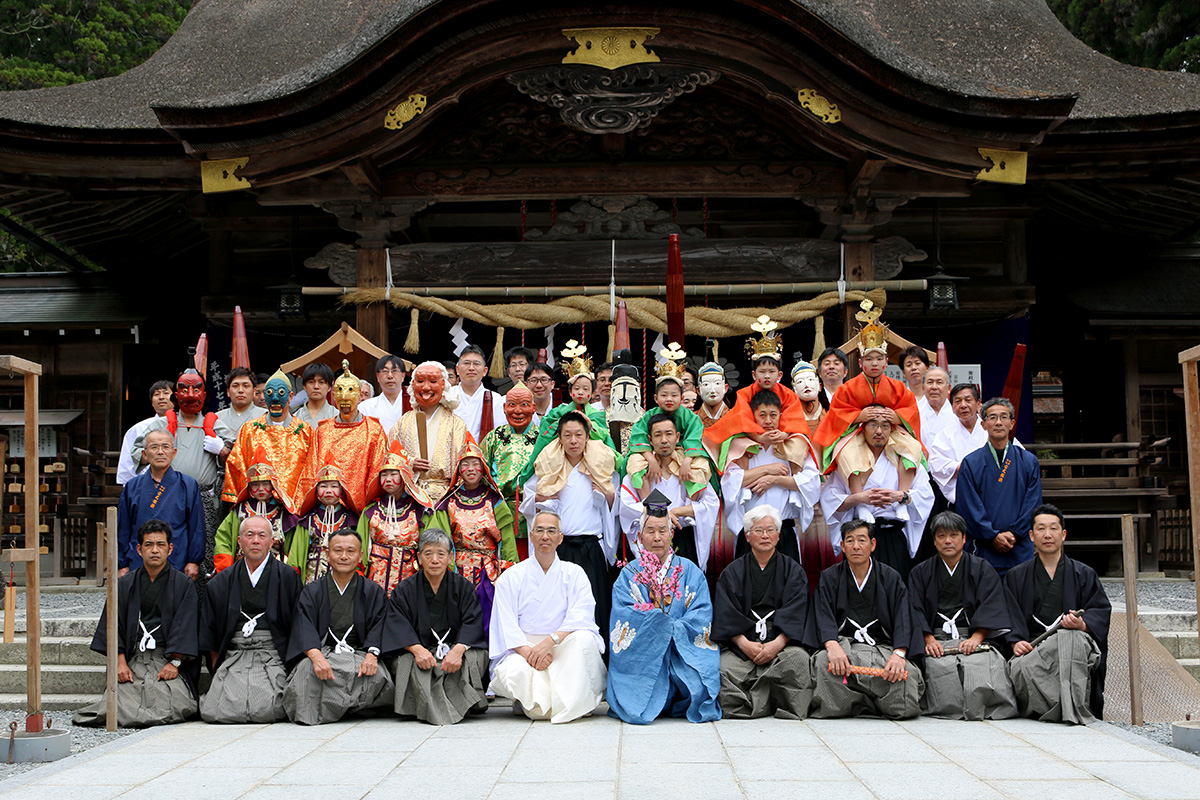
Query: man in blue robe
point(662, 659)
point(164, 494)
point(999, 485)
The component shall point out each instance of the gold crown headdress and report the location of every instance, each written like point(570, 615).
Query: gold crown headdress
point(578, 363)
point(347, 377)
point(671, 368)
point(872, 336)
point(768, 344)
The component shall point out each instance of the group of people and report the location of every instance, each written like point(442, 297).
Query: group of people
point(575, 542)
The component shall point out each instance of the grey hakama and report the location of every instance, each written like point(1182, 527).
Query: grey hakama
point(248, 686)
point(351, 622)
point(969, 687)
point(146, 701)
point(864, 695)
point(784, 687)
point(1054, 682)
point(308, 700)
point(451, 615)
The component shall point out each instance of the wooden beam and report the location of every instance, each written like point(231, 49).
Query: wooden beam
point(1130, 557)
point(15, 364)
point(365, 177)
point(862, 171)
point(33, 617)
point(1191, 354)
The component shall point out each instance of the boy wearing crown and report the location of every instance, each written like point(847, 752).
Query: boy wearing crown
point(693, 468)
point(261, 496)
point(329, 510)
point(766, 357)
point(581, 383)
point(356, 443)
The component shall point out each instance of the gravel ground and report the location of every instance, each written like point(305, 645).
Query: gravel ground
point(1155, 731)
point(1172, 594)
point(81, 738)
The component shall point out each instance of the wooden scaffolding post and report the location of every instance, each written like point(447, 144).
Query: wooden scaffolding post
point(30, 553)
point(1129, 549)
point(1191, 413)
point(110, 548)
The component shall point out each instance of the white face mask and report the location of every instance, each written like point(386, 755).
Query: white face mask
point(712, 388)
point(806, 385)
point(625, 403)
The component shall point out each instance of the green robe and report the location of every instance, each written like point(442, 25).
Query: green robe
point(549, 429)
point(691, 432)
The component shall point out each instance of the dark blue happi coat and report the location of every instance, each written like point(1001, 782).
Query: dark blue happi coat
point(993, 498)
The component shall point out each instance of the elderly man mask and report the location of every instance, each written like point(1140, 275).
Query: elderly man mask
point(518, 407)
point(428, 385)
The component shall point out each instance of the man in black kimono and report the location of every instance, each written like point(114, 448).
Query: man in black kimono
point(157, 629)
point(1055, 594)
point(338, 625)
point(247, 617)
point(762, 622)
point(864, 620)
point(960, 607)
point(435, 625)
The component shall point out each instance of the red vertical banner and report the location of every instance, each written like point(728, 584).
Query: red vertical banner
point(621, 340)
point(1016, 378)
point(675, 323)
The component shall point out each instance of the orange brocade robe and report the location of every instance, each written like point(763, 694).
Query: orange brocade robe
point(287, 449)
point(856, 394)
point(740, 419)
point(359, 448)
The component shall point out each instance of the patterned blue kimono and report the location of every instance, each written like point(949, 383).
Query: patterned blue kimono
point(663, 663)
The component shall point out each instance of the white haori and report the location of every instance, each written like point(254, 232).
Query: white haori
point(470, 408)
point(795, 504)
point(883, 476)
point(934, 422)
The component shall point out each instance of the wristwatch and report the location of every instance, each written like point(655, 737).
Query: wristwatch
point(554, 638)
point(175, 662)
point(905, 499)
point(373, 651)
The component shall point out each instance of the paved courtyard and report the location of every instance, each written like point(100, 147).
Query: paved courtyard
point(503, 756)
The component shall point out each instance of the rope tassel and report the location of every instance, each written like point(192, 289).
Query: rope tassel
point(413, 343)
point(496, 371)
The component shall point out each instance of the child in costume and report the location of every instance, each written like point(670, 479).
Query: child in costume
point(871, 395)
point(668, 398)
point(391, 525)
point(480, 523)
point(261, 496)
point(330, 509)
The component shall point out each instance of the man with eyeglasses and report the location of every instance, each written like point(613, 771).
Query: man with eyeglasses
point(998, 487)
point(391, 403)
point(540, 380)
point(479, 407)
point(161, 493)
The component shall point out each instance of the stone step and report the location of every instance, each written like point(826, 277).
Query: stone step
point(64, 627)
point(50, 703)
point(1192, 665)
point(55, 650)
point(1180, 644)
point(56, 678)
point(1161, 620)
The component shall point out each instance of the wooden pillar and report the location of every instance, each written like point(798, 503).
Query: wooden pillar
point(1016, 263)
point(860, 266)
point(33, 567)
point(372, 320)
point(1191, 413)
point(1147, 529)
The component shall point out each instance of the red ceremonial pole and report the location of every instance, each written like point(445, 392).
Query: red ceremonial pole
point(675, 324)
point(942, 360)
point(241, 351)
point(200, 360)
point(1016, 377)
point(621, 340)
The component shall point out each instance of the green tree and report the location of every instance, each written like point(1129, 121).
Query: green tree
point(1159, 34)
point(57, 42)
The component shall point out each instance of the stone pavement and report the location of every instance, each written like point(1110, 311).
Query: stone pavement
point(507, 757)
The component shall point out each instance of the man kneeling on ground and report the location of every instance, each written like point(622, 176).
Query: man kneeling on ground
point(157, 646)
point(1057, 595)
point(339, 626)
point(761, 620)
point(955, 594)
point(864, 619)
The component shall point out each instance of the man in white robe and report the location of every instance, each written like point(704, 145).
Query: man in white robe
point(544, 644)
point(575, 477)
point(956, 441)
point(898, 538)
point(160, 401)
point(693, 516)
point(471, 394)
point(936, 413)
point(783, 476)
point(388, 405)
